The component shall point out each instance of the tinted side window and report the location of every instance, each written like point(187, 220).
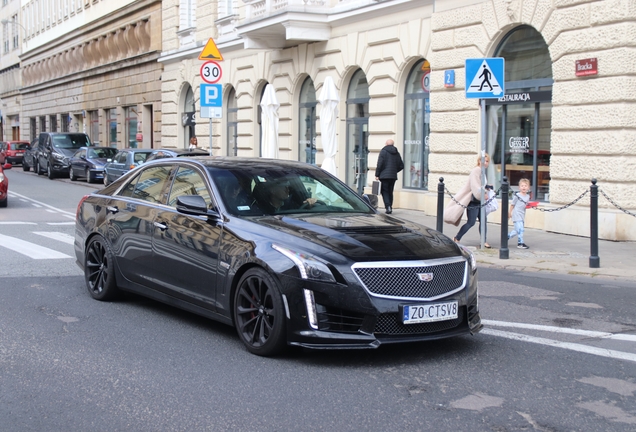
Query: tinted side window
point(151, 182)
point(188, 181)
point(128, 190)
point(121, 157)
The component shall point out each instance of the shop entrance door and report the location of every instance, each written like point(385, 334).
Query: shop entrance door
point(357, 160)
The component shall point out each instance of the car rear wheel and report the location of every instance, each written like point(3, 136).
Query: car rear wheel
point(259, 313)
point(4, 202)
point(99, 270)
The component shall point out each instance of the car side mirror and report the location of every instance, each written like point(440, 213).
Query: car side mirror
point(195, 205)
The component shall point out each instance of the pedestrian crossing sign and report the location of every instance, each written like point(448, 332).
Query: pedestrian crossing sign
point(210, 52)
point(485, 78)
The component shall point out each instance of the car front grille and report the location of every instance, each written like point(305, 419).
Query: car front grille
point(390, 324)
point(422, 280)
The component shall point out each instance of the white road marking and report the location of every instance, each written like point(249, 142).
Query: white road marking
point(31, 250)
point(60, 223)
point(586, 333)
point(41, 204)
point(17, 223)
point(56, 236)
point(620, 355)
point(51, 211)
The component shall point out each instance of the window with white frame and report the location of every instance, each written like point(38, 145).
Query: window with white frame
point(15, 30)
point(187, 16)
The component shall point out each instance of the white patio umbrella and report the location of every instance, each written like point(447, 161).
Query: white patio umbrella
point(329, 100)
point(269, 123)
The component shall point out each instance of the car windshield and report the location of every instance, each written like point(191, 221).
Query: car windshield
point(266, 190)
point(19, 146)
point(101, 153)
point(70, 141)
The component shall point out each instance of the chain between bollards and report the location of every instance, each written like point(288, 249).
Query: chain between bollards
point(595, 260)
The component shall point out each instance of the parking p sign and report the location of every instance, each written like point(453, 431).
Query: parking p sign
point(211, 100)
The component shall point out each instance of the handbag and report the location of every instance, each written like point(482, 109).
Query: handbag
point(492, 204)
point(375, 187)
point(453, 213)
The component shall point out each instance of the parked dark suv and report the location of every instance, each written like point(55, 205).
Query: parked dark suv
point(55, 150)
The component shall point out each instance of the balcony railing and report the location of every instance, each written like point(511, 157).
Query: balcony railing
point(258, 9)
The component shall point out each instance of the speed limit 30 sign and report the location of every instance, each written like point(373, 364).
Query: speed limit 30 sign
point(211, 72)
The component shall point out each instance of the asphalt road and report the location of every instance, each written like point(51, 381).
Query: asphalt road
point(558, 353)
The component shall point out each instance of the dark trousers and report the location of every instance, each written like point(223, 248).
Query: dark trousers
point(473, 212)
point(386, 189)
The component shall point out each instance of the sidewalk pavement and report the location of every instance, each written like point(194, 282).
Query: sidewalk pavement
point(548, 252)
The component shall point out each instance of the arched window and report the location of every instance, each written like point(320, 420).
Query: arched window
point(357, 131)
point(519, 124)
point(307, 123)
point(416, 126)
point(232, 124)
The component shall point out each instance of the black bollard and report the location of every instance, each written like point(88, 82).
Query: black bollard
point(440, 205)
point(504, 252)
point(595, 261)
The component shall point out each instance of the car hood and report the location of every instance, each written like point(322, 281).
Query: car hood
point(365, 237)
point(98, 161)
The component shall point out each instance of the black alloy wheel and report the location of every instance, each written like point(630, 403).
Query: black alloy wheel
point(99, 270)
point(38, 169)
point(49, 172)
point(259, 314)
point(25, 166)
point(71, 174)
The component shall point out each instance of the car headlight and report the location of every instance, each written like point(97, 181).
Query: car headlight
point(309, 267)
point(58, 157)
point(470, 256)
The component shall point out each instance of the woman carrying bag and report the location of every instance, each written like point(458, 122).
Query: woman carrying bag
point(468, 197)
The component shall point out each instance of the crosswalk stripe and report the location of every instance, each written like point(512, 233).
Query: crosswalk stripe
point(29, 249)
point(56, 236)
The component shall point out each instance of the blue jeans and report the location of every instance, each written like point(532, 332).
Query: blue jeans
point(517, 231)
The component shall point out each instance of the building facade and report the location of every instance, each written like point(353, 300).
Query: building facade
point(566, 116)
point(91, 66)
point(10, 77)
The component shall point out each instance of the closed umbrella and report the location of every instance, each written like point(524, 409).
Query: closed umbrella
point(269, 123)
point(329, 100)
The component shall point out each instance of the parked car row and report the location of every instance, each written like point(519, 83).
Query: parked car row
point(60, 154)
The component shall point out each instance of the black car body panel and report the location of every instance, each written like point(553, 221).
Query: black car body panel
point(344, 271)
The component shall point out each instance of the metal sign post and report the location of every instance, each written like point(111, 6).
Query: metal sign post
point(484, 80)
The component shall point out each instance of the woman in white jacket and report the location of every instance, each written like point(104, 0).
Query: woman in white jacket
point(473, 190)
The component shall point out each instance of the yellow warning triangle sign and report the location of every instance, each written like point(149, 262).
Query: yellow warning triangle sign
point(210, 52)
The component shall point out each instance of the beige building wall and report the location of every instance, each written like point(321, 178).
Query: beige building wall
point(110, 62)
point(593, 127)
point(593, 118)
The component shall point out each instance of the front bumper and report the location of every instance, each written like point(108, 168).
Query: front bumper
point(353, 319)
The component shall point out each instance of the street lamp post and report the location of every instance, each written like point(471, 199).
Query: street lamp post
point(6, 21)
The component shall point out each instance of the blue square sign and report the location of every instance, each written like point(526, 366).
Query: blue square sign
point(485, 78)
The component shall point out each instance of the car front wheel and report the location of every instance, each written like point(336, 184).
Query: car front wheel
point(99, 270)
point(71, 174)
point(38, 168)
point(25, 166)
point(49, 172)
point(259, 313)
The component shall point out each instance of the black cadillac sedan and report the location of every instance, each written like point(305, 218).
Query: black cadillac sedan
point(283, 251)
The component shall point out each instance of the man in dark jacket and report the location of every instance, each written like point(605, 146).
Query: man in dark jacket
point(389, 165)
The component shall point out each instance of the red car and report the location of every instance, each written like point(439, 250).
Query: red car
point(13, 151)
point(4, 184)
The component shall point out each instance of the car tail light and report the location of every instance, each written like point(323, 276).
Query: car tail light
point(79, 205)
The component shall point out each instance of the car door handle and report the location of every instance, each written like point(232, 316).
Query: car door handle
point(161, 226)
point(112, 209)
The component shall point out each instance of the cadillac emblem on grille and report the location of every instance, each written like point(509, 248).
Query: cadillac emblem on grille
point(425, 277)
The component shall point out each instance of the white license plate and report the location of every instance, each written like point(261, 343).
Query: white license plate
point(415, 314)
